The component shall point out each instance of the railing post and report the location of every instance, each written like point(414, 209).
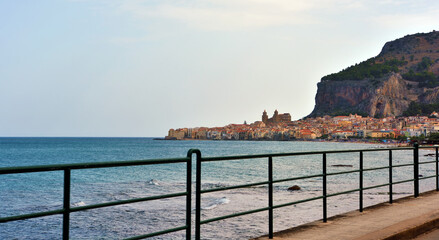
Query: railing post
point(66, 205)
point(390, 178)
point(270, 197)
point(189, 193)
point(325, 205)
point(437, 169)
point(361, 181)
point(416, 169)
point(198, 198)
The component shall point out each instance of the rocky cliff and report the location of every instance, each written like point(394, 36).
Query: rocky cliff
point(406, 70)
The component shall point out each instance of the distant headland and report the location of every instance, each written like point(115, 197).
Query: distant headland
point(406, 71)
point(394, 95)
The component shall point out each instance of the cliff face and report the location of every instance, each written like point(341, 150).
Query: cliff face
point(389, 98)
point(406, 70)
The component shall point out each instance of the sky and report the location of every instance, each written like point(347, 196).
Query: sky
point(136, 68)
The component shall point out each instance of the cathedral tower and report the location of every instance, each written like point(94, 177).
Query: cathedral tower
point(265, 117)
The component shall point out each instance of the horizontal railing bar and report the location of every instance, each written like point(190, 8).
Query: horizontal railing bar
point(234, 187)
point(387, 149)
point(434, 146)
point(297, 202)
point(157, 233)
point(224, 158)
point(121, 202)
point(297, 178)
point(422, 178)
point(338, 173)
point(234, 215)
point(427, 162)
point(239, 157)
point(341, 193)
point(376, 186)
point(403, 181)
point(58, 167)
point(373, 169)
point(403, 165)
point(31, 215)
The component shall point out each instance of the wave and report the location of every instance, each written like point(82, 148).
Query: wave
point(78, 204)
point(215, 203)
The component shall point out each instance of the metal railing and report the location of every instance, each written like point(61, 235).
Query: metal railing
point(67, 208)
point(270, 181)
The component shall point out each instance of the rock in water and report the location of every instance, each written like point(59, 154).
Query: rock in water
point(294, 188)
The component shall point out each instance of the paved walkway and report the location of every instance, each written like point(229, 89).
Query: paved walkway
point(404, 219)
point(433, 235)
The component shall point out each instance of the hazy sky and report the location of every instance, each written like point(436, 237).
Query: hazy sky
point(138, 68)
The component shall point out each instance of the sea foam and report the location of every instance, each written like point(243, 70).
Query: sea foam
point(215, 203)
point(78, 204)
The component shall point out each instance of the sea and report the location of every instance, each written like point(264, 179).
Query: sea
point(34, 192)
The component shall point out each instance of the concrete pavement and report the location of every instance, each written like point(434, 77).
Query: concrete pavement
point(406, 218)
point(432, 235)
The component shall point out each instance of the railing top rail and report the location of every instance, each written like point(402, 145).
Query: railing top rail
point(87, 165)
point(237, 157)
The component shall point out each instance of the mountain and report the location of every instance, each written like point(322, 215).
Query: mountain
point(405, 71)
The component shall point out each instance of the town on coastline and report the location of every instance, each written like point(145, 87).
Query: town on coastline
point(338, 128)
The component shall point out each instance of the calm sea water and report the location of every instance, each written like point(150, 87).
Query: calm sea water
point(28, 193)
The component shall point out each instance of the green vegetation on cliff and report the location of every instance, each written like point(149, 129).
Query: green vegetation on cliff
point(425, 79)
point(423, 109)
point(366, 69)
point(371, 70)
point(421, 74)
